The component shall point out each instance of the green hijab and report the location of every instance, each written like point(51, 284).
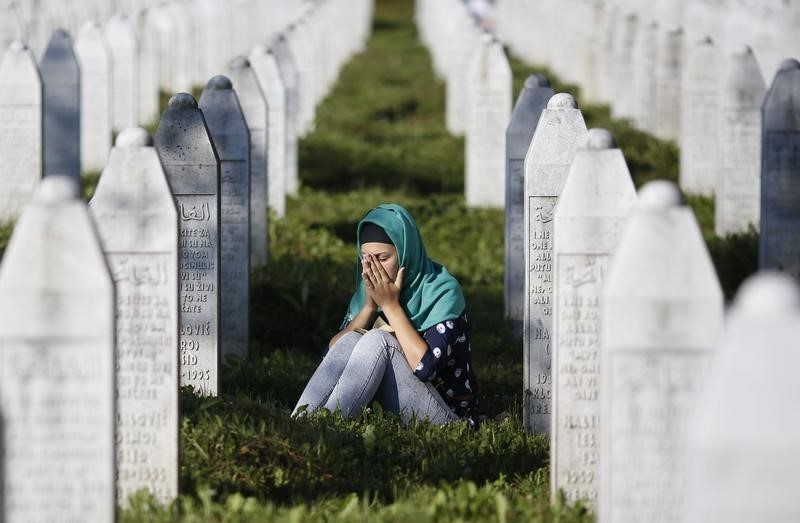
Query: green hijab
point(430, 294)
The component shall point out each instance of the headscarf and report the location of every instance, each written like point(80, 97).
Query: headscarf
point(430, 294)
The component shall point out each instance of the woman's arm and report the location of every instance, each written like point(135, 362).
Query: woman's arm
point(386, 294)
point(363, 320)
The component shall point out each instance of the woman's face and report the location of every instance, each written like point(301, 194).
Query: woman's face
point(385, 253)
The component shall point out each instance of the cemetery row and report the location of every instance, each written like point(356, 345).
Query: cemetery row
point(108, 309)
point(691, 72)
point(630, 366)
point(60, 113)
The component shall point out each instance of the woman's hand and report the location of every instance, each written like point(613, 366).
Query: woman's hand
point(379, 287)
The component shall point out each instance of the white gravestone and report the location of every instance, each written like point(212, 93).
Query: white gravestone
point(57, 363)
point(61, 107)
point(743, 472)
point(121, 40)
point(12, 26)
point(149, 67)
point(20, 130)
point(645, 53)
point(780, 173)
point(288, 74)
point(738, 179)
point(669, 76)
point(192, 167)
point(662, 313)
point(588, 222)
point(531, 102)
point(94, 59)
point(228, 130)
point(561, 130)
point(254, 106)
point(138, 227)
point(622, 104)
point(489, 111)
point(700, 121)
point(265, 65)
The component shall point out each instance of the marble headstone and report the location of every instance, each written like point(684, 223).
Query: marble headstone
point(741, 472)
point(489, 111)
point(138, 227)
point(283, 56)
point(592, 210)
point(738, 180)
point(780, 173)
point(192, 168)
point(623, 105)
point(645, 54)
point(149, 68)
point(265, 65)
point(669, 76)
point(62, 115)
point(561, 130)
point(57, 363)
point(94, 59)
point(662, 313)
point(254, 107)
point(228, 130)
point(20, 129)
point(531, 102)
point(700, 122)
point(122, 43)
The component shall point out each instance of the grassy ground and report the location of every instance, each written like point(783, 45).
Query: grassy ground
point(380, 137)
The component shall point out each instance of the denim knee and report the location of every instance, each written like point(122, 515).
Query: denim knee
point(377, 338)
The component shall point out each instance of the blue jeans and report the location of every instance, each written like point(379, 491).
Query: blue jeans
point(360, 368)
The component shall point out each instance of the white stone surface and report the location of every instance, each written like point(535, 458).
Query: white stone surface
point(20, 129)
point(669, 77)
point(588, 220)
point(623, 105)
point(214, 20)
point(138, 227)
point(645, 54)
point(532, 100)
point(192, 168)
point(780, 173)
point(738, 191)
point(149, 68)
point(121, 39)
point(700, 120)
point(662, 314)
point(466, 41)
point(228, 130)
point(254, 106)
point(94, 60)
point(561, 130)
point(57, 363)
point(488, 115)
point(742, 472)
point(12, 26)
point(61, 132)
point(288, 72)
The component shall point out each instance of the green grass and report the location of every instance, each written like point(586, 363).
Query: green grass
point(380, 137)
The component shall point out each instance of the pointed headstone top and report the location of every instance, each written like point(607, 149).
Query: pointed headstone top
point(134, 137)
point(562, 101)
point(182, 101)
point(57, 188)
point(597, 139)
point(219, 82)
point(536, 80)
point(240, 62)
point(660, 194)
point(768, 294)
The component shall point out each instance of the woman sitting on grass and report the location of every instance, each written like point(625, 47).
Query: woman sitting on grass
point(404, 341)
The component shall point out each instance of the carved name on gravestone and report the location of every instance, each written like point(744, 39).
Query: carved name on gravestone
point(288, 72)
point(724, 455)
point(597, 197)
point(531, 102)
point(265, 65)
point(669, 76)
point(780, 173)
point(138, 227)
point(122, 43)
point(56, 363)
point(20, 129)
point(700, 122)
point(94, 59)
point(61, 106)
point(489, 111)
point(561, 130)
point(228, 130)
point(662, 313)
point(738, 187)
point(192, 168)
point(254, 108)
